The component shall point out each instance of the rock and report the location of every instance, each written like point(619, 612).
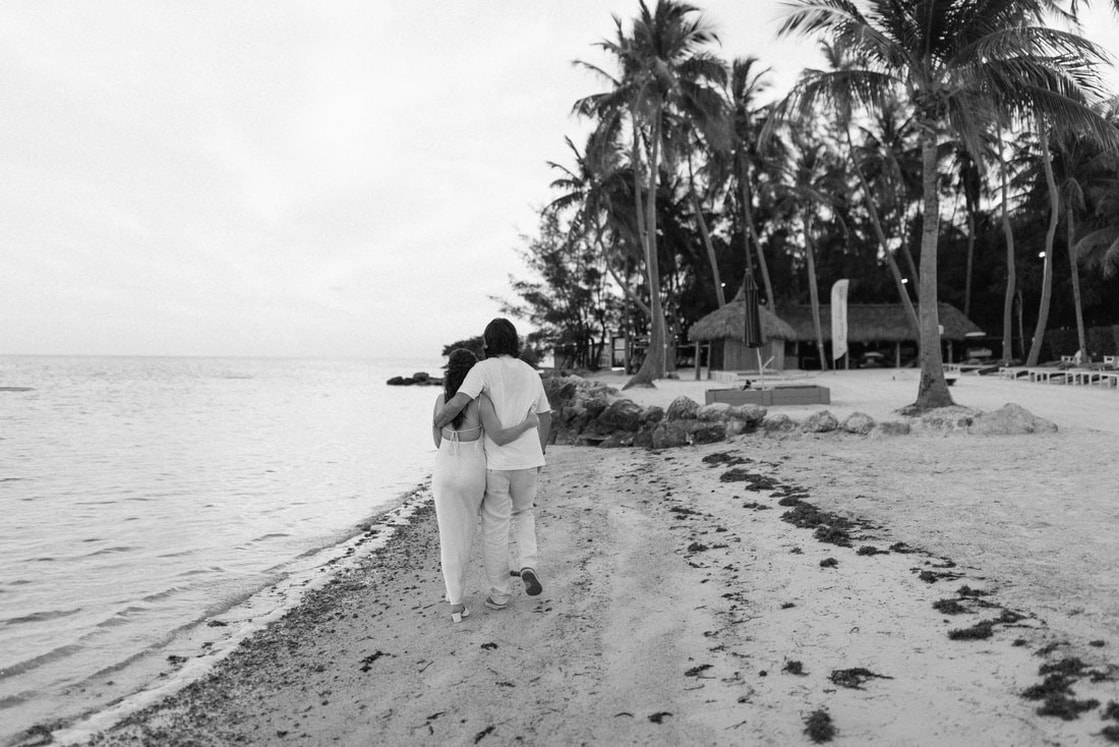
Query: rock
point(713, 413)
point(644, 438)
point(421, 377)
point(1010, 419)
point(653, 415)
point(858, 422)
point(669, 434)
point(399, 381)
point(820, 422)
point(617, 440)
point(752, 414)
point(682, 408)
point(705, 432)
point(736, 427)
point(947, 419)
point(779, 423)
point(892, 428)
point(621, 414)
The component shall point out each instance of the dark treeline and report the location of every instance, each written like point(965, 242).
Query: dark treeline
point(692, 173)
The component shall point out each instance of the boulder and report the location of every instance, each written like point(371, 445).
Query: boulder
point(622, 415)
point(644, 438)
point(617, 440)
point(653, 415)
point(706, 432)
point(752, 414)
point(779, 423)
point(947, 419)
point(669, 434)
point(1010, 419)
point(736, 427)
point(858, 422)
point(682, 408)
point(820, 422)
point(714, 412)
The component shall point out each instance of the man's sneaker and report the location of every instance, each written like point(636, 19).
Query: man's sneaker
point(492, 605)
point(532, 583)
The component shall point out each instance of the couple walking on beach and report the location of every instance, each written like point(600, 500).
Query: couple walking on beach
point(482, 465)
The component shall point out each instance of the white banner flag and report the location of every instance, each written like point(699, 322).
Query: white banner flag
point(839, 319)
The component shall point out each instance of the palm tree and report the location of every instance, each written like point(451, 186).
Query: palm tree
point(1050, 234)
point(955, 59)
point(664, 72)
point(810, 181)
point(838, 60)
point(745, 85)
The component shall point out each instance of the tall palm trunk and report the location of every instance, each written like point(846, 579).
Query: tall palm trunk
point(716, 277)
point(1070, 226)
point(970, 260)
point(719, 295)
point(652, 368)
point(1050, 235)
point(1011, 271)
point(746, 188)
point(933, 389)
point(814, 292)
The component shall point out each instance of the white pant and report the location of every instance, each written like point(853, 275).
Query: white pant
point(510, 498)
point(458, 483)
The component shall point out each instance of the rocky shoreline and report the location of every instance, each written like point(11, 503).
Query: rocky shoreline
point(590, 413)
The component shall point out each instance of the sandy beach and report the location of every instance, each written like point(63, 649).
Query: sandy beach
point(927, 589)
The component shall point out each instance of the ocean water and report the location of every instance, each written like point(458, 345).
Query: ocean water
point(140, 497)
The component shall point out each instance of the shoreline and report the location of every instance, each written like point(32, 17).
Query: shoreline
point(199, 646)
point(676, 603)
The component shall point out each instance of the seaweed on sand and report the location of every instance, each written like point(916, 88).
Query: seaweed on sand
point(1065, 707)
point(753, 480)
point(1070, 666)
point(979, 631)
point(949, 607)
point(818, 726)
point(1054, 684)
point(854, 678)
point(726, 458)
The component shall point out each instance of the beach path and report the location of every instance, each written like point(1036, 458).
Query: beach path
point(679, 608)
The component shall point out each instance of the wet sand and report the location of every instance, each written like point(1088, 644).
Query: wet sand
point(699, 596)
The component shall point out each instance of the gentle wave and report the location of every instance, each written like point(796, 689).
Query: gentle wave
point(38, 617)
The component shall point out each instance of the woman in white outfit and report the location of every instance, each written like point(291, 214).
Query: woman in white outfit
point(459, 480)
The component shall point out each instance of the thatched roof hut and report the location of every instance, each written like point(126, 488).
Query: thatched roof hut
point(874, 322)
point(729, 322)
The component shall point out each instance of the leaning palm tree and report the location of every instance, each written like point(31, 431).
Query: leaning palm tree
point(745, 85)
point(960, 62)
point(811, 179)
point(664, 71)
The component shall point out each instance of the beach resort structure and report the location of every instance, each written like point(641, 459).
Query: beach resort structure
point(877, 334)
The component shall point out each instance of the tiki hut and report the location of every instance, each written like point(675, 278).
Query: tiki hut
point(724, 331)
point(873, 328)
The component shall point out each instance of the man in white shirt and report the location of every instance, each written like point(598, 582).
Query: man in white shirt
point(515, 388)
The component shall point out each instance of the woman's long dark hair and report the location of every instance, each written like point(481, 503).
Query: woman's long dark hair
point(459, 363)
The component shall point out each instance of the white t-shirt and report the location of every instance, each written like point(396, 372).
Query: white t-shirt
point(515, 388)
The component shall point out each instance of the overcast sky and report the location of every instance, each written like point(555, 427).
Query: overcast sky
point(274, 178)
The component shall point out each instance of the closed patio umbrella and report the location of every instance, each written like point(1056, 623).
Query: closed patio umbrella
point(754, 337)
